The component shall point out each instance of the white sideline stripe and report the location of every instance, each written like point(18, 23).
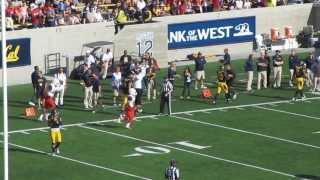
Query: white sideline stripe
point(80, 162)
point(317, 132)
point(176, 113)
point(189, 114)
point(206, 112)
point(247, 132)
point(191, 152)
point(24, 132)
point(43, 130)
point(287, 112)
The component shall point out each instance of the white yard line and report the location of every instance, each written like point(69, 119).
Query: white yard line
point(247, 132)
point(287, 112)
point(317, 132)
point(176, 113)
point(82, 162)
point(43, 130)
point(191, 152)
point(24, 132)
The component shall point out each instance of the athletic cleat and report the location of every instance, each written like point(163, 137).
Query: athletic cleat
point(294, 99)
point(181, 97)
point(188, 97)
point(214, 102)
point(58, 151)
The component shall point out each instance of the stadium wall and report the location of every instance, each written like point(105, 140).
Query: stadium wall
point(68, 40)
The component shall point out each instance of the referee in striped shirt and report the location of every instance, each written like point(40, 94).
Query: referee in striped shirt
point(172, 172)
point(166, 91)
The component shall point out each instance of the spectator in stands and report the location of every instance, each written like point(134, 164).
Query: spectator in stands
point(262, 66)
point(23, 15)
point(36, 16)
point(50, 16)
point(247, 4)
point(121, 19)
point(141, 7)
point(249, 68)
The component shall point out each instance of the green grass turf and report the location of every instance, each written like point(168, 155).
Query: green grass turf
point(248, 143)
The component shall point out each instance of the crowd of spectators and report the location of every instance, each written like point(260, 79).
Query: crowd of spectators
point(49, 13)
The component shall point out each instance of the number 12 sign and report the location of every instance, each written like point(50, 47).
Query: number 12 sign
point(144, 42)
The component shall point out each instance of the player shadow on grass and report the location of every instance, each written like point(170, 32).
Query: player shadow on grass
point(22, 117)
point(108, 126)
point(15, 149)
point(270, 96)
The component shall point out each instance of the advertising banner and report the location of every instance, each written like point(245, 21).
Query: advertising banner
point(214, 32)
point(18, 52)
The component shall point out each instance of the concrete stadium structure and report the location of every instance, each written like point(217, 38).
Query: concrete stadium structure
point(68, 40)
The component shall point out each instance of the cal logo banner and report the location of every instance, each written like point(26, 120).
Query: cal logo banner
point(205, 33)
point(18, 52)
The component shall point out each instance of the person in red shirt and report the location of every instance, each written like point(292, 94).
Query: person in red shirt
point(48, 104)
point(36, 16)
point(129, 113)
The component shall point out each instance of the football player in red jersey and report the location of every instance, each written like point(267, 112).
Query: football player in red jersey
point(130, 112)
point(48, 104)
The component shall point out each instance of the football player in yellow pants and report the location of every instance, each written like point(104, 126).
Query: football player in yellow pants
point(222, 85)
point(55, 122)
point(300, 76)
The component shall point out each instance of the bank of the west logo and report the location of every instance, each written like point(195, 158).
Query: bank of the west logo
point(243, 30)
point(206, 33)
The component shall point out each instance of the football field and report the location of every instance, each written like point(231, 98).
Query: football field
point(258, 136)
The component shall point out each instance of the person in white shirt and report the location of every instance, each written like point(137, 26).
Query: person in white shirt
point(138, 78)
point(141, 5)
point(116, 84)
point(89, 59)
point(106, 61)
point(62, 79)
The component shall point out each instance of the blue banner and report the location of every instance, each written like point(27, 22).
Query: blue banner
point(18, 52)
point(206, 33)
